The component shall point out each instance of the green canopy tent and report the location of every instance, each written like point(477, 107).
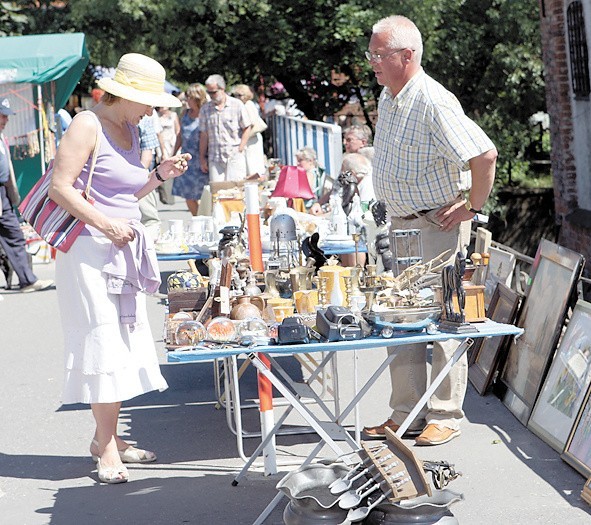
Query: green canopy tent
point(38, 73)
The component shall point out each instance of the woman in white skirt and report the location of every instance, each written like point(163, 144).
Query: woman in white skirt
point(110, 354)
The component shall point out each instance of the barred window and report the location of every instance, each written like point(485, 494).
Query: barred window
point(577, 42)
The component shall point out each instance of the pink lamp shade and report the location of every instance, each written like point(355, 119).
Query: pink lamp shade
point(293, 183)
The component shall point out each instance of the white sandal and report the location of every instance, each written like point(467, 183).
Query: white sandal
point(111, 475)
point(129, 455)
point(136, 455)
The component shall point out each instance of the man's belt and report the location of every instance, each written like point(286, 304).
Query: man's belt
point(414, 215)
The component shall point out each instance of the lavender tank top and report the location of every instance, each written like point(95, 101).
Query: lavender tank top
point(118, 175)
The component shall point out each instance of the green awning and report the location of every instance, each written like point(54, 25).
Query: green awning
point(37, 59)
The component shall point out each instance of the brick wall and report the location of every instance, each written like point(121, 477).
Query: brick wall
point(574, 234)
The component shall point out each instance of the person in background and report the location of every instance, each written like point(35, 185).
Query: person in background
point(255, 157)
point(62, 120)
point(191, 185)
point(360, 166)
point(12, 239)
point(319, 180)
point(149, 204)
point(368, 152)
point(356, 137)
point(225, 130)
point(171, 127)
point(434, 169)
point(169, 121)
point(360, 169)
point(110, 352)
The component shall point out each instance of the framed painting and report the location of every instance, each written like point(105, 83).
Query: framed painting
point(577, 452)
point(586, 493)
point(501, 266)
point(567, 381)
point(503, 308)
point(541, 317)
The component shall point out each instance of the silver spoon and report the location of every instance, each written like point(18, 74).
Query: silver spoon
point(352, 500)
point(352, 494)
point(347, 476)
point(360, 513)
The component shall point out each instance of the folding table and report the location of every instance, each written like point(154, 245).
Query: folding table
point(332, 429)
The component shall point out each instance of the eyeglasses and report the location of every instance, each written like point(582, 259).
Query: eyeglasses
point(213, 92)
point(238, 95)
point(378, 57)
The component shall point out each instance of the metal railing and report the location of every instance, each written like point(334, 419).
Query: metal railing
point(292, 133)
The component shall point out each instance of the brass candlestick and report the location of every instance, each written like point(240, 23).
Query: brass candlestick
point(320, 283)
point(348, 290)
point(356, 237)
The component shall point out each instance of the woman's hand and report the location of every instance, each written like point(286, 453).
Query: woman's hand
point(174, 166)
point(119, 232)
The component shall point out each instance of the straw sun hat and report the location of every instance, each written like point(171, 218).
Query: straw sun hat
point(140, 79)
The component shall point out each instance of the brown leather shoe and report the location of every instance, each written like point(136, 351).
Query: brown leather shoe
point(436, 435)
point(379, 431)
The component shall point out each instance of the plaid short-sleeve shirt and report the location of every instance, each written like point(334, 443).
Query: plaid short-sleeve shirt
point(423, 143)
point(224, 127)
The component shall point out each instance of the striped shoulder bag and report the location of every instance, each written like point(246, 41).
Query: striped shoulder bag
point(54, 224)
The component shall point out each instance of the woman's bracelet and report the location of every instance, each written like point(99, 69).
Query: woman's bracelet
point(158, 175)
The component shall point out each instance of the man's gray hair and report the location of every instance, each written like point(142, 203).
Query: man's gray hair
point(218, 80)
point(402, 33)
point(361, 132)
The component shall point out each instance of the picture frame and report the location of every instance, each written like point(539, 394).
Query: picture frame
point(486, 357)
point(577, 452)
point(542, 317)
point(501, 265)
point(567, 382)
point(586, 493)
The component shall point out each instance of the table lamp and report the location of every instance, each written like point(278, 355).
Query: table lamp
point(293, 184)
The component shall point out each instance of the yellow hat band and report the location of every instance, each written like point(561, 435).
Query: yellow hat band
point(144, 84)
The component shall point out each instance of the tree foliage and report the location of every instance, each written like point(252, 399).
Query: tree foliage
point(487, 52)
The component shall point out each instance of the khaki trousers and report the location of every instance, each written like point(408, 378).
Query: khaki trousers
point(408, 370)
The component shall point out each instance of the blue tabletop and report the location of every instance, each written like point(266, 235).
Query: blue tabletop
point(485, 329)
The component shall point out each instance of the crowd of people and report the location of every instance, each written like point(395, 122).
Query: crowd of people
point(431, 166)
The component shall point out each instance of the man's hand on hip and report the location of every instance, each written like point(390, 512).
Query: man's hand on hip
point(452, 215)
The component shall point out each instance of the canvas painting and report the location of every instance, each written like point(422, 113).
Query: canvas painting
point(501, 266)
point(578, 447)
point(503, 309)
point(567, 382)
point(541, 317)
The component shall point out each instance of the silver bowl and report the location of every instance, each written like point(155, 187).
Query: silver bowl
point(402, 315)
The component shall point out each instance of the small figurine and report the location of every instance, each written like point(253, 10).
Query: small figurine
point(451, 277)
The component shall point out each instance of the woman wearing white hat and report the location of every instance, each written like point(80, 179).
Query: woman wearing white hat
point(110, 353)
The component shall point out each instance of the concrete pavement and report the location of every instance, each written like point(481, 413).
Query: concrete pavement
point(46, 474)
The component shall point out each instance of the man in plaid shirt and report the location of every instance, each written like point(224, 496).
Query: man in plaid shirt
point(225, 129)
point(434, 169)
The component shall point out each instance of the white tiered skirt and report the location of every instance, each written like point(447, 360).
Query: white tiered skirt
point(106, 361)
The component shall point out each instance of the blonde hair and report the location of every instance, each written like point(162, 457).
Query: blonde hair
point(306, 154)
point(244, 91)
point(196, 92)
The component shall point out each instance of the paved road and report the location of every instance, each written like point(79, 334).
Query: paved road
point(46, 475)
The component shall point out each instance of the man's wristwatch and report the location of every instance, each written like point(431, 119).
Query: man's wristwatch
point(468, 206)
point(158, 176)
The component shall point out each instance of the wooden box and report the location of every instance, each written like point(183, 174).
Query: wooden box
point(474, 307)
point(182, 300)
